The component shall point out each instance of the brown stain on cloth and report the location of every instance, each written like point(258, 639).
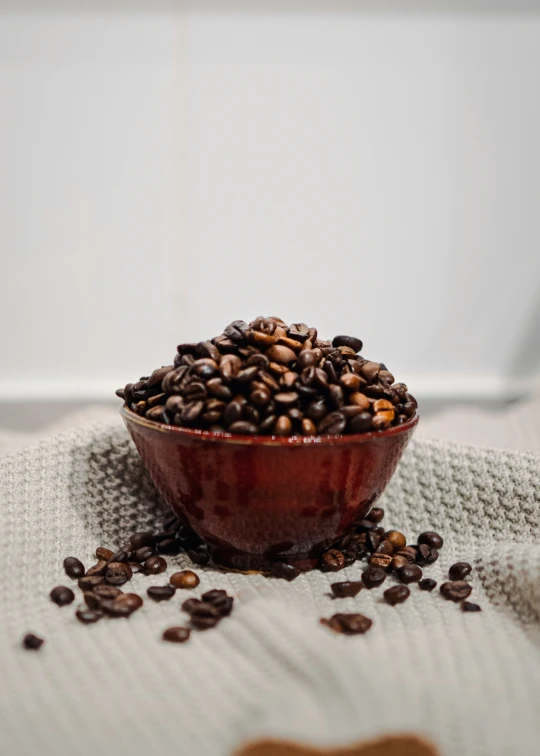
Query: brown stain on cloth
point(389, 745)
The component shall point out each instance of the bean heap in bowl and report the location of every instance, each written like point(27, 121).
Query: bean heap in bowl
point(273, 379)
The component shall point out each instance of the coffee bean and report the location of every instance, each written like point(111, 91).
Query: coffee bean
point(397, 594)
point(88, 616)
point(107, 592)
point(92, 601)
point(32, 642)
point(199, 557)
point(142, 554)
point(204, 616)
point(103, 554)
point(431, 539)
point(118, 573)
point(145, 538)
point(468, 606)
point(154, 565)
point(410, 573)
point(397, 539)
point(373, 576)
point(347, 588)
point(348, 624)
point(124, 555)
point(398, 562)
point(456, 590)
point(176, 634)
point(332, 561)
point(73, 567)
point(184, 579)
point(89, 583)
point(350, 555)
point(170, 546)
point(97, 569)
point(284, 570)
point(62, 595)
point(375, 515)
point(426, 555)
point(243, 428)
point(459, 570)
point(123, 605)
point(219, 600)
point(308, 427)
point(283, 426)
point(347, 341)
point(161, 592)
point(409, 552)
point(427, 584)
point(381, 560)
point(385, 547)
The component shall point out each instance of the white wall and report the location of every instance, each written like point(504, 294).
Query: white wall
point(374, 173)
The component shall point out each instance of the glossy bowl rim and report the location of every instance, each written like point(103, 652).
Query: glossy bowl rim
point(286, 441)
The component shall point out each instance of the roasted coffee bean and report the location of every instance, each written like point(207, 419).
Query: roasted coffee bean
point(373, 539)
point(350, 555)
point(398, 562)
point(347, 341)
point(332, 425)
point(347, 588)
point(350, 381)
point(332, 560)
point(397, 539)
point(92, 601)
point(204, 616)
point(103, 554)
point(62, 595)
point(88, 616)
point(106, 592)
point(176, 634)
point(348, 624)
point(32, 642)
point(97, 569)
point(118, 573)
point(219, 600)
point(161, 592)
point(123, 605)
point(410, 573)
point(190, 604)
point(459, 570)
point(243, 428)
point(409, 552)
point(142, 554)
point(375, 515)
point(427, 584)
point(124, 555)
point(154, 565)
point(431, 539)
point(373, 576)
point(397, 594)
point(385, 547)
point(144, 538)
point(284, 570)
point(308, 427)
point(426, 555)
point(184, 579)
point(199, 557)
point(170, 546)
point(381, 560)
point(308, 358)
point(468, 606)
point(73, 567)
point(89, 583)
point(456, 590)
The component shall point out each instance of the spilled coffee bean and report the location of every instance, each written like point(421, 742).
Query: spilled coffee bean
point(348, 624)
point(62, 595)
point(284, 570)
point(347, 588)
point(176, 634)
point(459, 571)
point(32, 642)
point(396, 595)
point(184, 579)
point(427, 584)
point(456, 590)
point(161, 592)
point(468, 606)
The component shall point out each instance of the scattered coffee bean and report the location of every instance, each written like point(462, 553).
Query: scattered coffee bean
point(73, 567)
point(32, 642)
point(155, 565)
point(62, 595)
point(97, 569)
point(219, 600)
point(348, 624)
point(397, 594)
point(380, 560)
point(107, 592)
point(426, 555)
point(373, 577)
point(375, 515)
point(92, 601)
point(268, 378)
point(135, 567)
point(468, 606)
point(124, 555)
point(373, 539)
point(184, 579)
point(204, 616)
point(397, 539)
point(142, 538)
point(88, 616)
point(351, 555)
point(103, 554)
point(459, 570)
point(332, 560)
point(199, 557)
point(142, 554)
point(410, 573)
point(457, 590)
point(161, 592)
point(123, 605)
point(176, 634)
point(347, 588)
point(118, 573)
point(431, 539)
point(284, 570)
point(427, 584)
point(89, 583)
point(190, 604)
point(408, 552)
point(399, 561)
point(385, 547)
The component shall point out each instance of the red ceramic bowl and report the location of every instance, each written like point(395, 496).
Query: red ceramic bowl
point(255, 499)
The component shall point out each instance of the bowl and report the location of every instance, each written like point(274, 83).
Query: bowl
point(260, 499)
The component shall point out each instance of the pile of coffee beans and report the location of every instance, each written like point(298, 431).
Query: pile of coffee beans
point(270, 378)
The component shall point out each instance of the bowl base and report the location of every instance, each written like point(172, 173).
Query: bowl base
point(255, 563)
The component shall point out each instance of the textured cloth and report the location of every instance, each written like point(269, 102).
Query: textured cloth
point(470, 682)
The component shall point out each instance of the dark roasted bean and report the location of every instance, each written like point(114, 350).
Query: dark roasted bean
point(143, 538)
point(92, 601)
point(347, 588)
point(410, 573)
point(142, 554)
point(348, 624)
point(332, 560)
point(408, 552)
point(398, 562)
point(468, 606)
point(381, 560)
point(284, 570)
point(73, 567)
point(103, 554)
point(347, 341)
point(431, 539)
point(360, 423)
point(89, 583)
point(32, 642)
point(427, 584)
point(87, 616)
point(190, 604)
point(62, 595)
point(456, 590)
point(373, 576)
point(170, 546)
point(123, 605)
point(375, 515)
point(373, 539)
point(184, 579)
point(97, 569)
point(397, 594)
point(426, 555)
point(199, 557)
point(176, 634)
point(204, 616)
point(219, 600)
point(161, 592)
point(459, 570)
point(385, 547)
point(118, 573)
point(155, 565)
point(107, 592)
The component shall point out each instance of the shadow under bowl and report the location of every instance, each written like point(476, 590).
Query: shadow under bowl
point(258, 499)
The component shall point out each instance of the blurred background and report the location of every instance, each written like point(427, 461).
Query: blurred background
point(369, 168)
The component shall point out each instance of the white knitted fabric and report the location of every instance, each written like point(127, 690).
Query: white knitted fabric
point(470, 682)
